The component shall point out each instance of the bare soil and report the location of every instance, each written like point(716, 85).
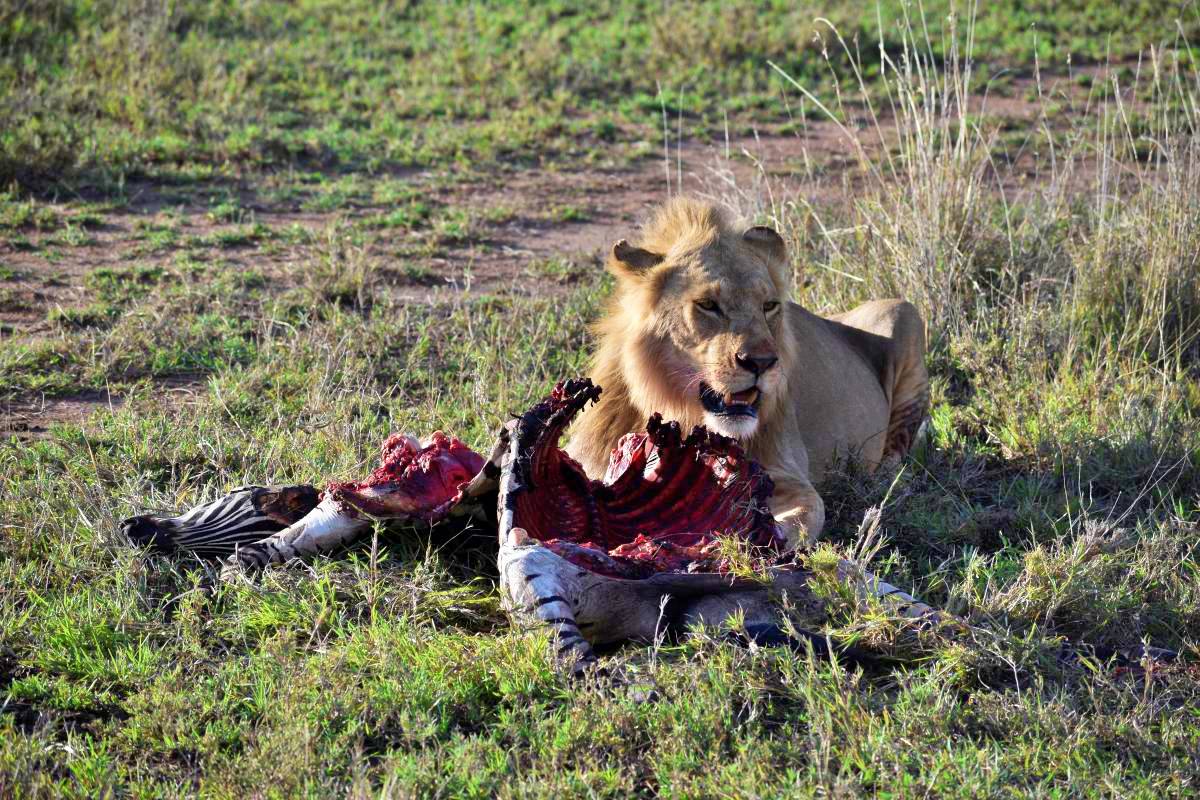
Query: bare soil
point(34, 419)
point(520, 243)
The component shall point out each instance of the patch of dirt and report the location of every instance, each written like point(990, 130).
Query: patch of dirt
point(30, 420)
point(518, 221)
point(520, 216)
point(527, 231)
point(575, 216)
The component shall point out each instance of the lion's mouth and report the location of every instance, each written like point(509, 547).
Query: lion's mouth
point(731, 404)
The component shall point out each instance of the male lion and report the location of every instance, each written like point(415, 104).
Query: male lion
point(702, 329)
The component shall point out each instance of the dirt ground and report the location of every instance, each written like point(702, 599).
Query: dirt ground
point(521, 241)
point(500, 256)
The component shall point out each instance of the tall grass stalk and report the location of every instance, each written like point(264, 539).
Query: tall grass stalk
point(934, 217)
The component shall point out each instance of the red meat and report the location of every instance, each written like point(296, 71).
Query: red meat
point(665, 502)
point(412, 481)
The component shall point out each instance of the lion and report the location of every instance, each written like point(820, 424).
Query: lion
point(701, 328)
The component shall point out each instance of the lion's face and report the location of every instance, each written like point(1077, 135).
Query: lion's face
point(709, 321)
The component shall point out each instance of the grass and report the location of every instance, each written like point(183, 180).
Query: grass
point(90, 99)
point(1055, 500)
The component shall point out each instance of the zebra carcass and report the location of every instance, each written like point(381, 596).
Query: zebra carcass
point(676, 533)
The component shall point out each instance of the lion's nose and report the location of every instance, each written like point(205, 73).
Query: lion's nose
point(756, 364)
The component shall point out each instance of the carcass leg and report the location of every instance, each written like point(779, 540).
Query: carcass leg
point(323, 530)
point(217, 528)
point(579, 607)
point(582, 608)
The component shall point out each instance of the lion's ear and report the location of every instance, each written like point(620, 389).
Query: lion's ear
point(765, 240)
point(770, 244)
point(629, 260)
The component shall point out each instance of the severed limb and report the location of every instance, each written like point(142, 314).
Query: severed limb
point(255, 526)
point(415, 482)
point(216, 529)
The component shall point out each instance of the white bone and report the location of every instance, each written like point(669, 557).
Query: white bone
point(322, 530)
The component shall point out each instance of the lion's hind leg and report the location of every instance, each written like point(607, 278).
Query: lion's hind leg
point(906, 381)
point(898, 354)
point(904, 427)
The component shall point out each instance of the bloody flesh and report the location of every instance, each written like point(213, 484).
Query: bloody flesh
point(413, 481)
point(665, 503)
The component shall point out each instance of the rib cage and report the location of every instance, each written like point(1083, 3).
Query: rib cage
point(663, 504)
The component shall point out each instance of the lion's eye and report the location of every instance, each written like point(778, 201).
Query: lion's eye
point(709, 305)
point(770, 306)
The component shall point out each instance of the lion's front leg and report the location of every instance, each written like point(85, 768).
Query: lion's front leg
point(799, 509)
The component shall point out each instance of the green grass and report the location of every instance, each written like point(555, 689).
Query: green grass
point(1056, 499)
point(88, 98)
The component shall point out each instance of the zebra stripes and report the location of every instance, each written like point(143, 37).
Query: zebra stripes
point(217, 529)
point(535, 585)
point(323, 530)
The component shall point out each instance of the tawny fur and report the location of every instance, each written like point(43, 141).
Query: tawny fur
point(844, 386)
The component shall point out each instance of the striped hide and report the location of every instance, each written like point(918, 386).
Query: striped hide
point(215, 530)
